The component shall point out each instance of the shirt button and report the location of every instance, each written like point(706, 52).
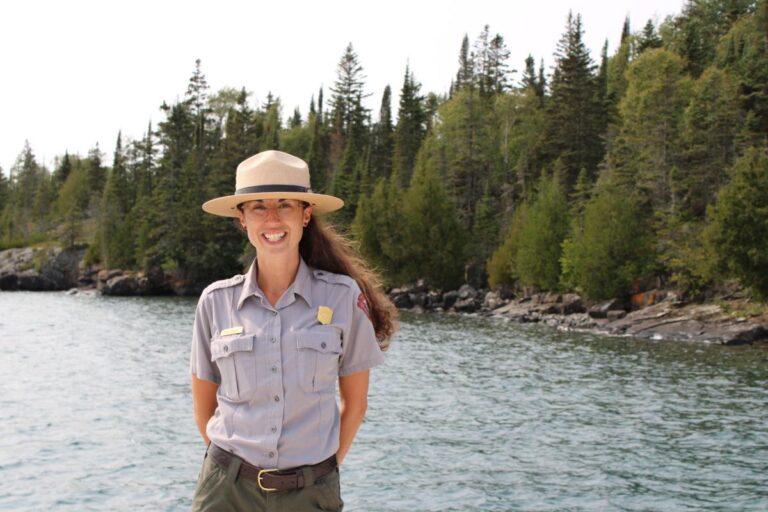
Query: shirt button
point(271, 455)
point(274, 429)
point(277, 398)
point(226, 348)
point(273, 339)
point(322, 345)
point(274, 369)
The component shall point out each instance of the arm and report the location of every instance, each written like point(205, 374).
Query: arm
point(204, 403)
point(354, 402)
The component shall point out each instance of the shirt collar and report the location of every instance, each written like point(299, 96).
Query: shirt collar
point(301, 284)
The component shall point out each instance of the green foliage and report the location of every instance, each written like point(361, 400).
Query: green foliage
point(576, 114)
point(434, 240)
point(541, 237)
point(612, 249)
point(501, 266)
point(649, 146)
point(738, 223)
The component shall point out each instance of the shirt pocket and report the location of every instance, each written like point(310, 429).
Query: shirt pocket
point(237, 362)
point(319, 353)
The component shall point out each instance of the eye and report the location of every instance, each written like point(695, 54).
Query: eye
point(285, 205)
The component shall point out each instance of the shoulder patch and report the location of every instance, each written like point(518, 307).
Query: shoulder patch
point(362, 303)
point(224, 283)
point(330, 277)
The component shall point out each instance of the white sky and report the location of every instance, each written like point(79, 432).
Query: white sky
point(75, 72)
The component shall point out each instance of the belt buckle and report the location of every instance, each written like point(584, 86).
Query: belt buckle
point(258, 479)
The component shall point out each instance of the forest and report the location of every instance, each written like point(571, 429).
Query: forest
point(586, 174)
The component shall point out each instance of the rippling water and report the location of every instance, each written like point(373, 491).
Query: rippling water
point(467, 414)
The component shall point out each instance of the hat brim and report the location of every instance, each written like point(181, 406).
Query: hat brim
point(226, 206)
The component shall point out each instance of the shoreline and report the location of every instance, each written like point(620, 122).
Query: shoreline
point(654, 314)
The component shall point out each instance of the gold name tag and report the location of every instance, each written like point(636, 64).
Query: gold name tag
point(324, 315)
point(232, 330)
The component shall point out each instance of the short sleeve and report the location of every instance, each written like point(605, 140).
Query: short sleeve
point(361, 349)
point(200, 363)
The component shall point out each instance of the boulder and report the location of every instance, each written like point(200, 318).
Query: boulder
point(467, 292)
point(468, 305)
point(450, 298)
point(32, 281)
point(121, 285)
point(493, 300)
point(615, 314)
point(601, 310)
point(402, 301)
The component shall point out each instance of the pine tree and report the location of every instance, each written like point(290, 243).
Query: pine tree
point(465, 74)
point(116, 249)
point(502, 266)
point(648, 39)
point(611, 250)
point(738, 223)
point(410, 129)
point(541, 236)
point(649, 147)
point(576, 118)
point(433, 238)
point(617, 67)
point(63, 170)
point(381, 156)
point(710, 124)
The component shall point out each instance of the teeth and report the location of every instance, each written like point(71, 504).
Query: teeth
point(274, 237)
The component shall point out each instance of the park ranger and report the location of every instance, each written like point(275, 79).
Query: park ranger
point(269, 347)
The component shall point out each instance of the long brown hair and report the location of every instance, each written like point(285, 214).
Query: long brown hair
point(324, 248)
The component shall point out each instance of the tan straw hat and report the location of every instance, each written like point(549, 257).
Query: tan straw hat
point(272, 175)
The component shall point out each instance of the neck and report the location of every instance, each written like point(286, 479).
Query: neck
point(275, 275)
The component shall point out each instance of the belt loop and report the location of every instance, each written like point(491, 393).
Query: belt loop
point(234, 468)
point(309, 476)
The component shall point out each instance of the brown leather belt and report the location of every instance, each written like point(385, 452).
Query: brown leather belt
point(274, 479)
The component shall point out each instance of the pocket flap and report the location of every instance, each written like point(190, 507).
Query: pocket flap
point(223, 347)
point(325, 342)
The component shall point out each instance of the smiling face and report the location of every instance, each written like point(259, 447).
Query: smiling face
point(274, 226)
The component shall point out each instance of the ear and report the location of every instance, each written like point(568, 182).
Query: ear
point(307, 215)
point(241, 217)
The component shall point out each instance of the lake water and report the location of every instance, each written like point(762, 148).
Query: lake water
point(467, 414)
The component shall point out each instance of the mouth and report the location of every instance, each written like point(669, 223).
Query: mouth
point(274, 237)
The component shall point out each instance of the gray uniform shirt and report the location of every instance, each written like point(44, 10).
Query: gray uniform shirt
point(277, 366)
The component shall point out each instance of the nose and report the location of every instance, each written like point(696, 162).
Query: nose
point(273, 212)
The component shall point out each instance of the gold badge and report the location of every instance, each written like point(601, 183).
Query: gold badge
point(232, 330)
point(324, 315)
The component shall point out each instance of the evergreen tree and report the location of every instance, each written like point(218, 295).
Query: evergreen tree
point(465, 75)
point(541, 237)
point(116, 249)
point(648, 38)
point(410, 129)
point(502, 266)
point(738, 223)
point(96, 174)
point(602, 259)
point(576, 117)
point(710, 125)
point(617, 68)
point(434, 240)
point(63, 170)
point(381, 157)
point(651, 113)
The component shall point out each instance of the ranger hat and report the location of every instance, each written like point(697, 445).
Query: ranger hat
point(272, 175)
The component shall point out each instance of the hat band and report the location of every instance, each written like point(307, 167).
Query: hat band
point(272, 188)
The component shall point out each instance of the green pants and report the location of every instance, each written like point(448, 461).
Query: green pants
point(220, 489)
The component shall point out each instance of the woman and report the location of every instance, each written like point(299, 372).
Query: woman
point(269, 345)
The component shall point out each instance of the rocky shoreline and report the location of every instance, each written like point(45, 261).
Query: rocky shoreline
point(653, 314)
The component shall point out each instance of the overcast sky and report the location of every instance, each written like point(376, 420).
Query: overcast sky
point(74, 73)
